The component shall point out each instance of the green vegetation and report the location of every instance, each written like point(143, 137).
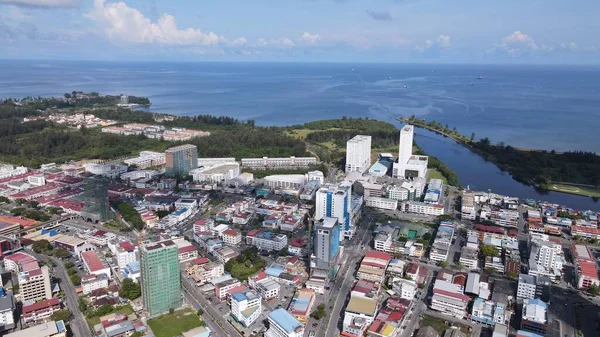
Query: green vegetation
point(93, 316)
point(440, 325)
point(245, 264)
point(75, 279)
point(129, 214)
point(69, 265)
point(489, 250)
point(173, 324)
point(594, 290)
point(319, 312)
point(4, 200)
point(61, 253)
point(443, 264)
point(130, 289)
point(30, 214)
point(42, 247)
point(548, 170)
point(61, 315)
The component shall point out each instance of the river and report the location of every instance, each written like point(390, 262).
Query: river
point(481, 175)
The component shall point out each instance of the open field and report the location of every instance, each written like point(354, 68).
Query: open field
point(440, 326)
point(435, 174)
point(579, 190)
point(125, 310)
point(174, 324)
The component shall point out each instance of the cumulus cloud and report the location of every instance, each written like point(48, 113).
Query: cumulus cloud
point(124, 24)
point(43, 3)
point(380, 16)
point(518, 41)
point(441, 42)
point(572, 46)
point(309, 39)
point(280, 43)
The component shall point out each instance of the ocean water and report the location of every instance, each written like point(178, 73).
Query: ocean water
point(542, 107)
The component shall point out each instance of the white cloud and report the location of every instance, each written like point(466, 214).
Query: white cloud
point(43, 3)
point(280, 43)
point(309, 39)
point(124, 24)
point(443, 41)
point(518, 42)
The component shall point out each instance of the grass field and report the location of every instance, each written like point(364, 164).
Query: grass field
point(435, 174)
point(174, 324)
point(125, 310)
point(440, 326)
point(579, 190)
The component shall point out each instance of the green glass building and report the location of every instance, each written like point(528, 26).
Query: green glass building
point(160, 277)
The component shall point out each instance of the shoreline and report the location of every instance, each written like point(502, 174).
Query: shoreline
point(465, 142)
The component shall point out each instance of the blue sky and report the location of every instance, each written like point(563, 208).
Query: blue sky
point(434, 31)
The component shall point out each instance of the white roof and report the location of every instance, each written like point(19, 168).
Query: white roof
point(291, 178)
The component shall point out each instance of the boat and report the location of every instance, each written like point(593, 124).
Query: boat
point(471, 84)
point(480, 77)
point(406, 87)
point(389, 78)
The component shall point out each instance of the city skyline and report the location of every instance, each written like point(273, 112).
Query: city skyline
point(421, 31)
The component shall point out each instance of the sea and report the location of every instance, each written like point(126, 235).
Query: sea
point(537, 107)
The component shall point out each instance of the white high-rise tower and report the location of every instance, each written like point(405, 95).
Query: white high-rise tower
point(406, 144)
point(409, 165)
point(358, 154)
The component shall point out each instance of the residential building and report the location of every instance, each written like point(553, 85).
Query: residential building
point(302, 303)
point(278, 163)
point(220, 173)
point(326, 246)
point(409, 165)
point(245, 307)
point(34, 284)
point(406, 289)
point(335, 201)
point(180, 160)
point(47, 329)
point(232, 237)
point(264, 286)
point(534, 317)
point(223, 285)
point(160, 277)
point(467, 208)
point(373, 266)
point(92, 282)
point(423, 208)
point(7, 308)
point(360, 313)
point(40, 310)
point(483, 311)
point(73, 244)
point(224, 254)
point(283, 324)
point(285, 181)
point(381, 203)
point(586, 272)
point(443, 240)
point(265, 240)
point(358, 154)
point(449, 299)
point(111, 171)
point(185, 250)
point(469, 258)
point(124, 252)
point(93, 264)
point(132, 270)
point(396, 268)
point(526, 288)
point(96, 207)
point(147, 159)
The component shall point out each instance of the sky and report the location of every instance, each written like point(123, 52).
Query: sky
point(428, 31)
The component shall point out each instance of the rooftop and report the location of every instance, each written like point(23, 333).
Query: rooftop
point(40, 330)
point(93, 261)
point(159, 245)
point(285, 320)
point(362, 305)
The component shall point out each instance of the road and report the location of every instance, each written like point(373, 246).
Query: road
point(212, 317)
point(78, 323)
point(343, 283)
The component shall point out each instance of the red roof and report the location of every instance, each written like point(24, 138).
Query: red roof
point(126, 245)
point(588, 269)
point(412, 268)
point(13, 220)
point(460, 279)
point(490, 229)
point(237, 289)
point(230, 232)
point(41, 305)
point(36, 190)
point(253, 232)
point(459, 296)
point(186, 249)
point(200, 260)
point(296, 243)
point(378, 255)
point(260, 276)
point(588, 230)
point(92, 260)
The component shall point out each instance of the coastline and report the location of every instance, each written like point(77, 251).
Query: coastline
point(466, 143)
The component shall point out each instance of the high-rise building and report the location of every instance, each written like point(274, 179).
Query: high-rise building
point(283, 324)
point(409, 165)
point(326, 246)
point(160, 281)
point(358, 154)
point(334, 201)
point(95, 200)
point(34, 285)
point(181, 159)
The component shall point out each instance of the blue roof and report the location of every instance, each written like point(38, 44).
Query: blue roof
point(239, 296)
point(539, 302)
point(134, 266)
point(274, 271)
point(180, 211)
point(523, 333)
point(285, 320)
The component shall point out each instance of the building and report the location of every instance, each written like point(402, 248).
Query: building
point(424, 208)
point(220, 173)
point(483, 311)
point(534, 317)
point(40, 311)
point(409, 165)
point(7, 308)
point(180, 160)
point(449, 299)
point(406, 289)
point(245, 307)
point(34, 284)
point(223, 284)
point(335, 201)
point(526, 288)
point(285, 181)
point(326, 246)
point(20, 262)
point(302, 303)
point(94, 264)
point(264, 286)
point(73, 244)
point(232, 237)
point(160, 277)
point(224, 254)
point(373, 266)
point(467, 208)
point(381, 203)
point(111, 171)
point(546, 259)
point(147, 159)
point(47, 329)
point(586, 272)
point(283, 324)
point(469, 258)
point(124, 252)
point(95, 201)
point(278, 163)
point(132, 271)
point(265, 240)
point(92, 282)
point(359, 314)
point(358, 154)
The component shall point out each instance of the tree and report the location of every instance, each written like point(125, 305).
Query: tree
point(130, 290)
point(489, 250)
point(594, 290)
point(82, 304)
point(71, 271)
point(75, 279)
point(171, 310)
point(284, 252)
point(319, 312)
point(62, 253)
point(200, 312)
point(21, 201)
point(137, 334)
point(443, 264)
point(61, 315)
point(69, 264)
point(109, 254)
point(104, 310)
point(15, 289)
point(34, 204)
point(42, 247)
point(426, 236)
point(4, 200)
point(512, 275)
point(18, 211)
